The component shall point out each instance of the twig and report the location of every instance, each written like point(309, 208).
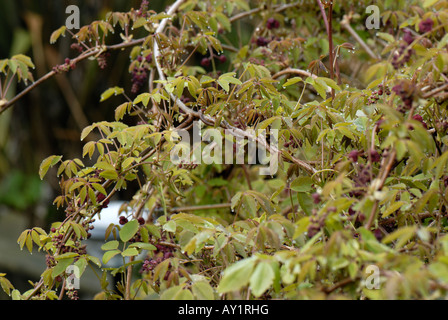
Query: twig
point(338, 285)
point(299, 72)
point(385, 174)
point(127, 295)
point(435, 91)
point(202, 207)
point(246, 174)
point(278, 8)
point(346, 24)
point(95, 51)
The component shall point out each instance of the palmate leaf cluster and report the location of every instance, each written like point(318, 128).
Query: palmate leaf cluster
point(362, 178)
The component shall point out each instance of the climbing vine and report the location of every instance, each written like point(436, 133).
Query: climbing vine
point(362, 153)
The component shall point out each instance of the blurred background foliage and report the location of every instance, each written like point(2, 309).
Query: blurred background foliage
point(49, 119)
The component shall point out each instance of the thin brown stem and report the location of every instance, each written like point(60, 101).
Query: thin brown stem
point(329, 29)
point(345, 23)
point(129, 280)
point(94, 52)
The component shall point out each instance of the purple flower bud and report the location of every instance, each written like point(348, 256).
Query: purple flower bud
point(316, 198)
point(205, 62)
point(374, 155)
point(272, 24)
point(408, 37)
point(262, 42)
point(353, 155)
point(426, 25)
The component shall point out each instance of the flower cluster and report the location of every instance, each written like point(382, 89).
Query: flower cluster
point(187, 165)
point(426, 25)
point(377, 94)
point(402, 56)
point(143, 11)
point(361, 179)
point(317, 223)
point(161, 253)
point(405, 91)
point(206, 61)
point(140, 72)
point(272, 24)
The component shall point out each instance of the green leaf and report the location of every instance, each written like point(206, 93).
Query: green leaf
point(143, 98)
point(302, 184)
point(61, 266)
point(22, 238)
point(391, 209)
point(262, 278)
point(6, 285)
point(121, 110)
point(56, 34)
point(29, 242)
point(170, 226)
point(143, 246)
point(109, 255)
point(263, 125)
point(66, 255)
point(81, 264)
point(236, 199)
point(104, 165)
point(24, 59)
point(202, 291)
point(402, 236)
point(130, 252)
point(250, 205)
point(47, 164)
point(440, 270)
point(237, 275)
point(111, 91)
point(99, 188)
point(386, 36)
point(429, 3)
point(109, 175)
point(329, 82)
point(15, 295)
point(85, 132)
point(111, 245)
point(292, 81)
point(126, 163)
point(129, 230)
point(224, 83)
point(177, 293)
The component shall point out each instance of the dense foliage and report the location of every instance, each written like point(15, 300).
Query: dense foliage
point(363, 153)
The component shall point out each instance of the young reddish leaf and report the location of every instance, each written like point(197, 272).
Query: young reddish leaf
point(57, 33)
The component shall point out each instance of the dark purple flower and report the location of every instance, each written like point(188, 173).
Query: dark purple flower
point(378, 234)
point(420, 119)
point(408, 37)
point(316, 198)
point(272, 24)
point(426, 25)
point(222, 58)
point(101, 198)
point(353, 155)
point(205, 62)
point(123, 220)
point(262, 42)
point(374, 155)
